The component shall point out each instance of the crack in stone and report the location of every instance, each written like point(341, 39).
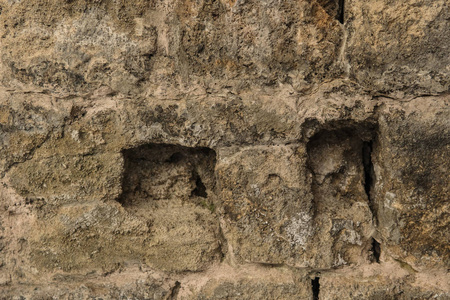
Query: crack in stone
point(315, 288)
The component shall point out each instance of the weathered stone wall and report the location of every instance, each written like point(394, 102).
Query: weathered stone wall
point(213, 149)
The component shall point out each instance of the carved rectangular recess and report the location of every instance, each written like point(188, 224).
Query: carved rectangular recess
point(157, 173)
point(169, 191)
point(340, 161)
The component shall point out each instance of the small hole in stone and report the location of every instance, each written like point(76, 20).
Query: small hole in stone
point(376, 250)
point(200, 188)
point(315, 288)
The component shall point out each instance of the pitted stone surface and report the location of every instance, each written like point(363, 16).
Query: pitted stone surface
point(218, 149)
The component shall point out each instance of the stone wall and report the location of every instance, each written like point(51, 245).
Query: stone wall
point(224, 149)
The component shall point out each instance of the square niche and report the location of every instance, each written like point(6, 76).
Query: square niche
point(156, 174)
point(171, 189)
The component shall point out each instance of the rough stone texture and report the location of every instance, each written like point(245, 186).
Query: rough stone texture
point(262, 198)
point(415, 187)
point(399, 46)
point(235, 149)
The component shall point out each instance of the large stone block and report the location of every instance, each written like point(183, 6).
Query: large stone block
point(140, 46)
point(65, 179)
point(399, 46)
point(412, 182)
point(253, 282)
point(267, 204)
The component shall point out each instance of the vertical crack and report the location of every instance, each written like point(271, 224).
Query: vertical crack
point(369, 175)
point(367, 163)
point(315, 288)
point(340, 15)
point(369, 181)
point(174, 291)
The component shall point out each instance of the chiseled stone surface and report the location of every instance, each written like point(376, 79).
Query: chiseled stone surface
point(218, 149)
